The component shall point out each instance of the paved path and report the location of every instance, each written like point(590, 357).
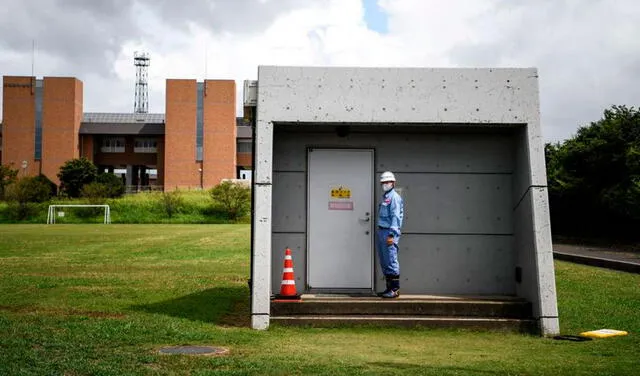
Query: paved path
point(597, 256)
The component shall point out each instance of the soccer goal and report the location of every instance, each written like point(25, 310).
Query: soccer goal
point(53, 213)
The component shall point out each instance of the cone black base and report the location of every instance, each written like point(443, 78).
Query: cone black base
point(282, 297)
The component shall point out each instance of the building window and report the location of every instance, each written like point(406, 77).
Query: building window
point(244, 146)
point(199, 120)
point(38, 126)
point(145, 145)
point(112, 145)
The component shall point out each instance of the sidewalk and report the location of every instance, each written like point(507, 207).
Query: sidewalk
point(597, 256)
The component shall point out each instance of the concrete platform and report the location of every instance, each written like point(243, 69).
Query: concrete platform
point(478, 312)
point(511, 325)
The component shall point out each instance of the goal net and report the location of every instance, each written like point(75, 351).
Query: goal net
point(54, 211)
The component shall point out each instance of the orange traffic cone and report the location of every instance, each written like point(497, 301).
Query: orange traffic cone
point(288, 285)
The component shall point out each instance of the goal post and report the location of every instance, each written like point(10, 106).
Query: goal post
point(51, 216)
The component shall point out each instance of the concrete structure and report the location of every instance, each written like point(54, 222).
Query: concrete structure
point(466, 147)
point(192, 146)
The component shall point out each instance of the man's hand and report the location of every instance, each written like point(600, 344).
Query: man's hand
point(390, 239)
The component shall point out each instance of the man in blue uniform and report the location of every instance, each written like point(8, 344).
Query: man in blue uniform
point(390, 213)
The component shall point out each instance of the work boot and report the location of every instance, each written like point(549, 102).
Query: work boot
point(394, 290)
point(387, 279)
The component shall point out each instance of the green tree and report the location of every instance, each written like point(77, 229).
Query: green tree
point(235, 199)
point(95, 192)
point(53, 188)
point(74, 174)
point(8, 175)
point(113, 184)
point(594, 177)
point(25, 191)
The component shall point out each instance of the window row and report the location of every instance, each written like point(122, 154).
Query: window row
point(140, 145)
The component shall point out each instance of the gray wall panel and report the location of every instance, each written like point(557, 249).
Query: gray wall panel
point(289, 205)
point(456, 203)
point(298, 245)
point(431, 152)
point(457, 264)
point(289, 153)
point(475, 153)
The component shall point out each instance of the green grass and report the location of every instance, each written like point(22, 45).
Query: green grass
point(100, 300)
point(141, 208)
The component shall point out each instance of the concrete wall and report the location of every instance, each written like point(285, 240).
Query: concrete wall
point(18, 118)
point(483, 98)
point(533, 238)
point(62, 114)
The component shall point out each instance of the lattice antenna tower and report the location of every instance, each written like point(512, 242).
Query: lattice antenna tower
point(141, 60)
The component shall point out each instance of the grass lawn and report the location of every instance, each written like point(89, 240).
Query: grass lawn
point(100, 300)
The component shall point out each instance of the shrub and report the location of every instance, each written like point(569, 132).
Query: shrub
point(15, 211)
point(95, 194)
point(172, 202)
point(7, 177)
point(235, 199)
point(53, 188)
point(74, 174)
point(113, 184)
point(24, 191)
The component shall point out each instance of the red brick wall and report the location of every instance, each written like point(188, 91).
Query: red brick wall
point(219, 157)
point(19, 119)
point(180, 166)
point(61, 117)
point(86, 149)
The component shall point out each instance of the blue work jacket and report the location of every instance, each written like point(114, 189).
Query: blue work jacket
point(391, 211)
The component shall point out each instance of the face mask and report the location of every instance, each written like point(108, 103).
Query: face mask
point(387, 187)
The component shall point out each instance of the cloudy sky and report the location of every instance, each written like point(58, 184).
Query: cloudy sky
point(587, 51)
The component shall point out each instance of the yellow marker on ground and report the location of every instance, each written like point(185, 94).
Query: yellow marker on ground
point(604, 333)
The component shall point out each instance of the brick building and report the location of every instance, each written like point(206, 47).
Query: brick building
point(195, 144)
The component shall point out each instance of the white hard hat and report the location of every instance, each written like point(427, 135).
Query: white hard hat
point(387, 176)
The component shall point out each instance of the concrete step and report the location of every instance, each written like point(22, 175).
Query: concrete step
point(405, 306)
point(485, 323)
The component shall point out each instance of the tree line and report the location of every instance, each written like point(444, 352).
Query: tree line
point(594, 178)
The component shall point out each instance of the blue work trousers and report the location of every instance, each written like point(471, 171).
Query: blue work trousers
point(388, 254)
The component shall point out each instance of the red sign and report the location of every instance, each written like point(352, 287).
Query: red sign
point(340, 205)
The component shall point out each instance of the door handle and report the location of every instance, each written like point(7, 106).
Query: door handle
point(367, 219)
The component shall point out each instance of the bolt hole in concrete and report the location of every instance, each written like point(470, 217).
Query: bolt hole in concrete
point(193, 350)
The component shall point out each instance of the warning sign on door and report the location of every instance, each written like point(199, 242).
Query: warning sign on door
point(340, 205)
point(340, 193)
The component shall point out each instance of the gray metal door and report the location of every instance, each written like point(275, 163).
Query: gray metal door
point(340, 240)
